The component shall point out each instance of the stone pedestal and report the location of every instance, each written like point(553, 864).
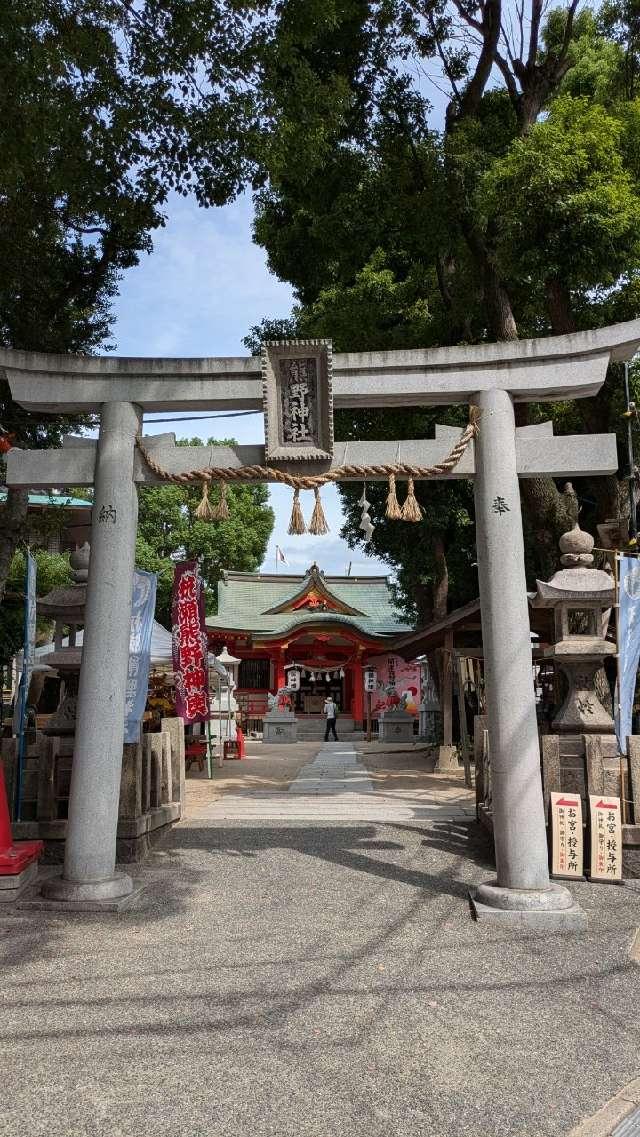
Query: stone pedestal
point(280, 726)
point(446, 758)
point(395, 726)
point(430, 722)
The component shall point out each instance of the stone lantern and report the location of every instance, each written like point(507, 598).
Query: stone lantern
point(223, 680)
point(231, 663)
point(581, 598)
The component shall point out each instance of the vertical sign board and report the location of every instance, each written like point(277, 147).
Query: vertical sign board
point(566, 836)
point(190, 647)
point(606, 838)
point(629, 645)
point(142, 609)
point(370, 679)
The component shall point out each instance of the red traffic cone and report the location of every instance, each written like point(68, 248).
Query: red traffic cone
point(14, 859)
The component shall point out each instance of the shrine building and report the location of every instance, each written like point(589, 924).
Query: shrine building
point(329, 626)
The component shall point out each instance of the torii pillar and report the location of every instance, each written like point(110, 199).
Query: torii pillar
point(493, 376)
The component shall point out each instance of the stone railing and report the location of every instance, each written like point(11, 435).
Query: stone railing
point(151, 790)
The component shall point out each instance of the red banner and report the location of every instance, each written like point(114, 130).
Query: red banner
point(189, 644)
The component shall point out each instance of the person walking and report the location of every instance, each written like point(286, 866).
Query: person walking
point(330, 711)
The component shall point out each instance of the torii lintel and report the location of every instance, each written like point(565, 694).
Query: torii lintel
point(555, 367)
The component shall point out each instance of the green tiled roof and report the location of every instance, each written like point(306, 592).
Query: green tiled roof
point(54, 500)
point(244, 598)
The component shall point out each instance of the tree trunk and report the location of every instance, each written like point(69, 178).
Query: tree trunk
point(440, 578)
point(423, 597)
point(13, 521)
point(559, 306)
point(497, 303)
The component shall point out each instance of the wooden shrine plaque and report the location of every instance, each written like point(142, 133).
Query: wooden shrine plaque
point(298, 400)
point(606, 838)
point(567, 842)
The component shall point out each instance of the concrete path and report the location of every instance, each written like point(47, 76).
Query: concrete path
point(335, 786)
point(314, 980)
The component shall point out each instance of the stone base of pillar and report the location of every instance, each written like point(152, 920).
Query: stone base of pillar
point(14, 886)
point(446, 758)
point(552, 909)
point(109, 895)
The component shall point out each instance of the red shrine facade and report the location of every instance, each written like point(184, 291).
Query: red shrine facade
point(330, 627)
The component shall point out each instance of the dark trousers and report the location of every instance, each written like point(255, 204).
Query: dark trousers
point(331, 726)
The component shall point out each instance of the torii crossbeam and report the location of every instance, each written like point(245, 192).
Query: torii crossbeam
point(493, 376)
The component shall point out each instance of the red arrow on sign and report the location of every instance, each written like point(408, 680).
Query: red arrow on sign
point(565, 801)
point(606, 805)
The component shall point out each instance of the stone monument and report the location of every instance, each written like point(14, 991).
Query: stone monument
point(580, 755)
point(280, 723)
point(581, 598)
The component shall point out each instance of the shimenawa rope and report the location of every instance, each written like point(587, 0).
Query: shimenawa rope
point(224, 474)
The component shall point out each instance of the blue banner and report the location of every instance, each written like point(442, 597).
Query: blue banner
point(628, 645)
point(143, 606)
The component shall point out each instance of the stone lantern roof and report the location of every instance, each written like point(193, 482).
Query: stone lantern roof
point(577, 582)
point(67, 604)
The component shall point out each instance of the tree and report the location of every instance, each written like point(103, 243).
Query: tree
point(168, 531)
point(102, 114)
point(518, 216)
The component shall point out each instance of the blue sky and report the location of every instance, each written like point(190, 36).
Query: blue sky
point(198, 293)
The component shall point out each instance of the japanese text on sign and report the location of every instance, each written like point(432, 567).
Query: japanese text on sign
point(606, 838)
point(298, 397)
point(566, 831)
point(190, 644)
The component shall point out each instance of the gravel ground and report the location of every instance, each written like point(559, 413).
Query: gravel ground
point(311, 981)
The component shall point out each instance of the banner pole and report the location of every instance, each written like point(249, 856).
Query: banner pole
point(616, 578)
point(622, 743)
point(23, 690)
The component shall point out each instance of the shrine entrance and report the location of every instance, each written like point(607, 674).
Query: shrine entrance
point(297, 385)
point(323, 627)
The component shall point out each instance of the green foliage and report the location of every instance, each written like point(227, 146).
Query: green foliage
point(105, 107)
point(52, 572)
point(521, 215)
point(567, 205)
point(168, 531)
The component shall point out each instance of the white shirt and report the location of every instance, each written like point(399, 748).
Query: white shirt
point(330, 709)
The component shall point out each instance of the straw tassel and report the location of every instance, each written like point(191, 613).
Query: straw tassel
point(221, 510)
point(318, 520)
point(296, 525)
point(393, 511)
point(411, 511)
point(204, 511)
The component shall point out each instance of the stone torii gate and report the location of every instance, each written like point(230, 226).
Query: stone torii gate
point(491, 376)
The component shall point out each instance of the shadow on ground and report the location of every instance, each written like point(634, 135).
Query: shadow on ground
point(350, 846)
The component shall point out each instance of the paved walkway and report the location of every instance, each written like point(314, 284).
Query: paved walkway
point(311, 979)
point(334, 786)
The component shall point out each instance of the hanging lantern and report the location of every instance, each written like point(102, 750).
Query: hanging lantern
point(293, 677)
point(370, 679)
point(327, 676)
